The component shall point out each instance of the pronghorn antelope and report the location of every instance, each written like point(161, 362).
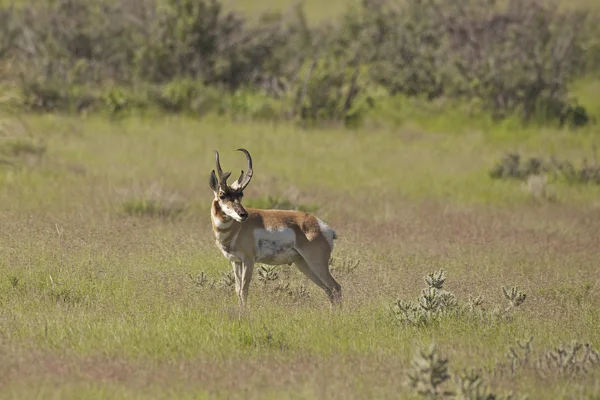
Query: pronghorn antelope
point(247, 236)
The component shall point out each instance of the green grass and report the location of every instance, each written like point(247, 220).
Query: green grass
point(100, 303)
point(323, 10)
point(315, 10)
point(109, 275)
point(318, 11)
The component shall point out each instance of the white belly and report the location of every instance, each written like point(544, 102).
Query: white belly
point(275, 247)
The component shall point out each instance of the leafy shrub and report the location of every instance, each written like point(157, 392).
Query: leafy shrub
point(407, 42)
point(332, 91)
point(343, 266)
point(267, 273)
point(17, 146)
point(20, 146)
point(9, 32)
point(506, 57)
point(435, 303)
point(511, 167)
point(569, 359)
point(73, 42)
point(267, 340)
point(177, 96)
point(44, 96)
point(573, 358)
point(429, 377)
point(295, 293)
point(272, 283)
point(470, 386)
point(200, 40)
point(514, 56)
point(115, 101)
point(429, 371)
point(226, 280)
point(254, 105)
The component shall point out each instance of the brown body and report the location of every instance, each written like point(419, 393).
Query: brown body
point(273, 237)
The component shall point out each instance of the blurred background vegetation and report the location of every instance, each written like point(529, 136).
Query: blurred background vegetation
point(346, 62)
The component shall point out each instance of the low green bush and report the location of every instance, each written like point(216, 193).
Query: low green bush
point(514, 57)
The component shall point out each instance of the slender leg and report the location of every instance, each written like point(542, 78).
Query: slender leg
point(237, 272)
point(247, 269)
point(305, 269)
point(322, 271)
point(319, 266)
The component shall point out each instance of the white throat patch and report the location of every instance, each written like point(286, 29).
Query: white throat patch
point(219, 223)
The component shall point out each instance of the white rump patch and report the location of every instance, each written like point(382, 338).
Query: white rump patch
point(327, 232)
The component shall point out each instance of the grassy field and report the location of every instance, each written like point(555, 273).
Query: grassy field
point(318, 10)
point(100, 302)
point(322, 10)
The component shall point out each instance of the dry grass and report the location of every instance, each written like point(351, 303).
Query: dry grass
point(98, 303)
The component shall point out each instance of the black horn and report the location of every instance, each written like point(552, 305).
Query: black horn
point(244, 180)
point(220, 174)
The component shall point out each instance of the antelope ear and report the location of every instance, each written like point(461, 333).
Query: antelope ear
point(212, 181)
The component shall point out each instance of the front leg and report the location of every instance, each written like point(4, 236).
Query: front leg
point(247, 269)
point(237, 273)
point(243, 275)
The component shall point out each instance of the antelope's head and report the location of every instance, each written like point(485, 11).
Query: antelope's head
point(229, 197)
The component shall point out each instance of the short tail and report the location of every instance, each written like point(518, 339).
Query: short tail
point(334, 234)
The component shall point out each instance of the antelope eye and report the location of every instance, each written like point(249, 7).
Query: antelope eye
point(222, 197)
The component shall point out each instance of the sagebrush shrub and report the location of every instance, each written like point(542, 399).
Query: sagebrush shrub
point(435, 303)
point(573, 358)
point(511, 166)
point(429, 376)
point(505, 57)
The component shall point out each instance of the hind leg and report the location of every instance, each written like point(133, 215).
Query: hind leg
point(305, 269)
point(322, 271)
point(319, 266)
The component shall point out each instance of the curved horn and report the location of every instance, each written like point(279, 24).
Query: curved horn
point(236, 185)
point(243, 182)
point(220, 174)
point(219, 170)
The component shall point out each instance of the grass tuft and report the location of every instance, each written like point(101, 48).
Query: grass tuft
point(153, 202)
